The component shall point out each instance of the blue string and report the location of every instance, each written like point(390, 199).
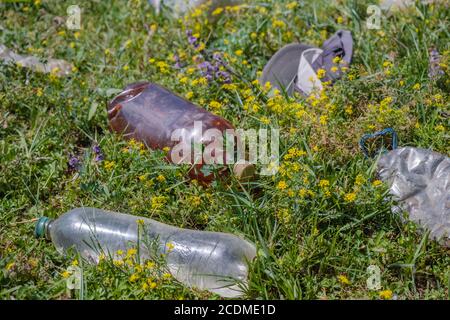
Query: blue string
point(384, 132)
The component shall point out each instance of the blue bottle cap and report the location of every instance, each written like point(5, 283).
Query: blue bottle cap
point(41, 227)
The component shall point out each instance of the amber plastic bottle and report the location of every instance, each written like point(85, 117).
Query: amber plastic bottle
point(150, 113)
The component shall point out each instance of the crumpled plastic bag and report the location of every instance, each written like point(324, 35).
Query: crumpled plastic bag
point(419, 180)
point(57, 67)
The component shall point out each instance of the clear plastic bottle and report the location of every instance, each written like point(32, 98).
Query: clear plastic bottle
point(211, 261)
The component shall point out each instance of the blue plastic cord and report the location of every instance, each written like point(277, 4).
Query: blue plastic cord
point(384, 132)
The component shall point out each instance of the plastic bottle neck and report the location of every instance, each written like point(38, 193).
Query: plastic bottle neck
point(42, 228)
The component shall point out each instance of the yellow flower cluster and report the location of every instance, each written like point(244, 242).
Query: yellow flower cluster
point(158, 202)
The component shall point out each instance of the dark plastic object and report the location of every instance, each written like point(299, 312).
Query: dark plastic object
point(150, 113)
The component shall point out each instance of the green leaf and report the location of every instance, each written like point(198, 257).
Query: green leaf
point(92, 110)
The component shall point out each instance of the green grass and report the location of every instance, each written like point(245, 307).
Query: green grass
point(311, 236)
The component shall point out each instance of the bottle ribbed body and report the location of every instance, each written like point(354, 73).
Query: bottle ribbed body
point(211, 261)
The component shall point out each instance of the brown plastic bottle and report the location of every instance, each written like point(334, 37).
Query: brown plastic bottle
point(150, 113)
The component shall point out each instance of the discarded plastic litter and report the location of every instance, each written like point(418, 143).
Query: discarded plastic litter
point(150, 113)
point(211, 261)
point(295, 66)
point(57, 67)
point(420, 180)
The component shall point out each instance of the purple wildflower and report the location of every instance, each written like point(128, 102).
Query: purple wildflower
point(98, 153)
point(73, 162)
point(218, 57)
point(434, 68)
point(225, 76)
point(192, 40)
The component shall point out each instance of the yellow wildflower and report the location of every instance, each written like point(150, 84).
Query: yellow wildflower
point(109, 165)
point(278, 23)
point(324, 183)
point(359, 180)
point(282, 185)
point(134, 277)
point(337, 59)
point(10, 266)
point(321, 73)
point(215, 105)
point(343, 279)
point(385, 294)
point(264, 120)
point(349, 110)
point(284, 215)
point(303, 192)
point(131, 252)
point(184, 80)
point(350, 197)
point(189, 95)
point(158, 202)
point(195, 201)
point(323, 120)
point(267, 86)
point(292, 5)
point(151, 284)
point(376, 183)
point(217, 11)
point(170, 246)
point(118, 263)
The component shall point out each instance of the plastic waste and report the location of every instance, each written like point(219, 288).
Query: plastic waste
point(57, 67)
point(151, 113)
point(211, 261)
point(295, 66)
point(419, 180)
